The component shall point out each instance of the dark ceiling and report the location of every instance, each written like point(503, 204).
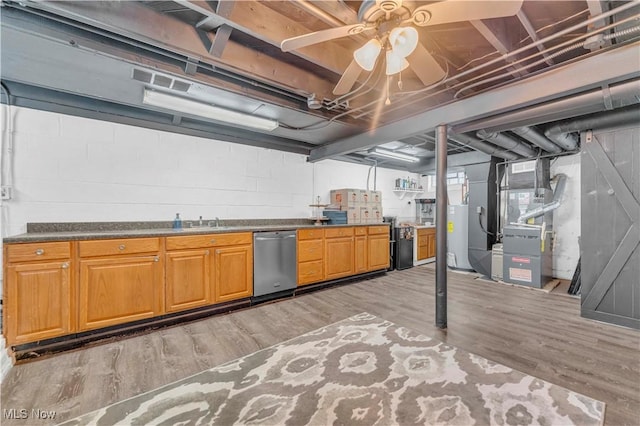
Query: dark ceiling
point(506, 81)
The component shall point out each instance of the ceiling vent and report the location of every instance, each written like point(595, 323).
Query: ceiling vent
point(160, 80)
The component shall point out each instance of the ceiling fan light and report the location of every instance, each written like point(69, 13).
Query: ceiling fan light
point(395, 63)
point(403, 40)
point(366, 55)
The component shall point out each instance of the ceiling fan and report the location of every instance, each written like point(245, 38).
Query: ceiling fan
point(394, 22)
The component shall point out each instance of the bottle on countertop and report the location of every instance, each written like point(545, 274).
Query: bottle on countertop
point(177, 222)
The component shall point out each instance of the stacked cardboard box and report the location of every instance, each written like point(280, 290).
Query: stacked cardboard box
point(362, 205)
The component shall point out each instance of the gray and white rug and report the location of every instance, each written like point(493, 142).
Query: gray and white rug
point(362, 370)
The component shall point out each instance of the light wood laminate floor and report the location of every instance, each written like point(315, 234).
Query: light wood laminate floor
point(537, 333)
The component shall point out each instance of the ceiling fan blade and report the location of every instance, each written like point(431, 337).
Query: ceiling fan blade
point(425, 66)
point(443, 12)
point(348, 79)
point(304, 40)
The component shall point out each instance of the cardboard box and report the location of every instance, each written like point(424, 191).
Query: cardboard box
point(375, 215)
point(375, 197)
point(353, 215)
point(345, 197)
point(365, 214)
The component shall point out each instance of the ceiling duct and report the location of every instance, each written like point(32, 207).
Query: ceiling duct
point(564, 133)
point(507, 142)
point(537, 138)
point(485, 147)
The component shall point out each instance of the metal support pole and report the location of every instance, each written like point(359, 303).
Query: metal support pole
point(441, 226)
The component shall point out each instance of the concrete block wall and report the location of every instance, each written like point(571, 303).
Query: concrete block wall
point(72, 169)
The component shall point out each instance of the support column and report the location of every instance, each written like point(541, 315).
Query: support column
point(441, 226)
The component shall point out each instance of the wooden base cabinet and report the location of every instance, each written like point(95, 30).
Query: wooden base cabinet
point(188, 283)
point(207, 269)
point(361, 259)
point(118, 290)
point(38, 292)
point(233, 273)
point(378, 245)
point(426, 243)
point(310, 254)
point(38, 301)
point(120, 280)
point(339, 253)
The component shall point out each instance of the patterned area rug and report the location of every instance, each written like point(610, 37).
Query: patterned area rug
point(362, 370)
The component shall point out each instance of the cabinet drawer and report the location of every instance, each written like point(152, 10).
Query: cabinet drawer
point(310, 234)
point(382, 229)
point(427, 231)
point(309, 250)
point(209, 240)
point(310, 272)
point(338, 232)
point(361, 230)
point(38, 251)
point(118, 246)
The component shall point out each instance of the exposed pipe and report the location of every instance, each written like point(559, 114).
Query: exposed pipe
point(563, 133)
point(558, 193)
point(507, 142)
point(537, 138)
point(485, 147)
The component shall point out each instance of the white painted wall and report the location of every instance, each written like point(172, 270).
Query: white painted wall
point(566, 218)
point(74, 169)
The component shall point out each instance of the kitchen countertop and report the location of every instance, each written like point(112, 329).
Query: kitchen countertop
point(423, 226)
point(66, 231)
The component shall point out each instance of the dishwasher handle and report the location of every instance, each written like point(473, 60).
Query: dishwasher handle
point(274, 238)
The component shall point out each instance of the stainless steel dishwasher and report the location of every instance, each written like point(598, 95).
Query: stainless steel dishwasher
point(274, 262)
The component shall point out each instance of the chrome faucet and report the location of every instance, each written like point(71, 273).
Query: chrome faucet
point(215, 223)
point(200, 221)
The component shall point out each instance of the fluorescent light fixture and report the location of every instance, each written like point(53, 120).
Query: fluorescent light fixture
point(395, 155)
point(190, 107)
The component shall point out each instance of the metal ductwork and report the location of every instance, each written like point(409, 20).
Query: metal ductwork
point(602, 99)
point(485, 147)
point(564, 133)
point(537, 138)
point(558, 193)
point(507, 142)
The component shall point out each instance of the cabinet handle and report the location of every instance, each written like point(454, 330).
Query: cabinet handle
point(65, 265)
point(121, 247)
point(206, 252)
point(39, 252)
point(213, 241)
point(217, 251)
point(156, 259)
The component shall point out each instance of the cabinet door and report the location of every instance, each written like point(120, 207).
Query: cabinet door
point(233, 271)
point(361, 264)
point(38, 302)
point(431, 240)
point(423, 247)
point(188, 283)
point(339, 256)
point(378, 252)
point(118, 290)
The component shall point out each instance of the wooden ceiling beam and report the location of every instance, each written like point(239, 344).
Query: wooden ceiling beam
point(137, 22)
point(497, 35)
point(269, 26)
